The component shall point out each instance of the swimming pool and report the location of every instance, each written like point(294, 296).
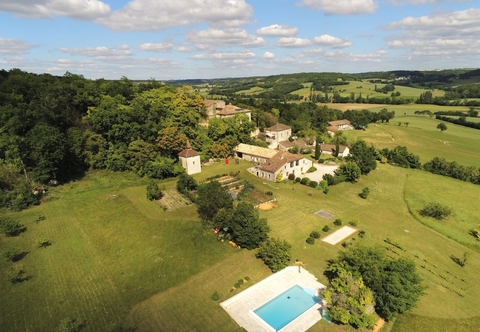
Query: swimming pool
point(287, 306)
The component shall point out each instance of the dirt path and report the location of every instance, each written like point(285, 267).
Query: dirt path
point(378, 325)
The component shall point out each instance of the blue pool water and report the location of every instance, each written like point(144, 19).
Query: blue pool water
point(287, 306)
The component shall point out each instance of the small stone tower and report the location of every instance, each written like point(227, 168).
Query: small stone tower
point(190, 160)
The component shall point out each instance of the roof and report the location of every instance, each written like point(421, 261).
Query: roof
point(340, 122)
point(188, 152)
point(287, 144)
point(279, 127)
point(210, 102)
point(331, 147)
point(255, 150)
point(332, 128)
point(231, 109)
point(278, 161)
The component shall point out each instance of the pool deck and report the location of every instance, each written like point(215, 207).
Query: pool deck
point(241, 306)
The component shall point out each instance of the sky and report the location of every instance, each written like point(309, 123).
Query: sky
point(185, 39)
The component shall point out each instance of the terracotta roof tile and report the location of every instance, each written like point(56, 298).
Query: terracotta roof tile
point(255, 150)
point(279, 127)
point(278, 161)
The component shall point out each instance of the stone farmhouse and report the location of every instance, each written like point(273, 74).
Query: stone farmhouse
point(334, 126)
point(218, 109)
point(273, 163)
point(330, 149)
point(277, 134)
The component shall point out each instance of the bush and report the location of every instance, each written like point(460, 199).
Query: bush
point(361, 234)
point(338, 222)
point(215, 296)
point(70, 325)
point(310, 240)
point(313, 184)
point(240, 281)
point(247, 278)
point(269, 193)
point(353, 222)
point(297, 179)
point(435, 210)
point(311, 170)
point(13, 254)
point(237, 285)
point(153, 191)
point(305, 181)
point(43, 243)
point(291, 176)
point(365, 192)
point(315, 235)
point(275, 253)
point(326, 228)
point(326, 190)
point(329, 178)
point(10, 227)
point(323, 184)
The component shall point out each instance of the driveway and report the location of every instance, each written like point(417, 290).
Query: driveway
point(321, 170)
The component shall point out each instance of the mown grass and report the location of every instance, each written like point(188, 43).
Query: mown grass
point(117, 258)
point(422, 138)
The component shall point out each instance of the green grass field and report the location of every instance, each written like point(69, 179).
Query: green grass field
point(117, 258)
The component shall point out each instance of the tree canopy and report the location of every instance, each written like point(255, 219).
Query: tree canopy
point(211, 198)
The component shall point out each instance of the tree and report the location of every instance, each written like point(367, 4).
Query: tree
point(248, 230)
point(186, 183)
point(365, 192)
point(153, 191)
point(43, 243)
point(350, 171)
point(364, 156)
point(211, 197)
point(442, 126)
point(275, 253)
point(70, 325)
point(396, 283)
point(317, 150)
point(348, 297)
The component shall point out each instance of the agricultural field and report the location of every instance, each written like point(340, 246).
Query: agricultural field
point(118, 259)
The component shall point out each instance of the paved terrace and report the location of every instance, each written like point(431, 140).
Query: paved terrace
point(241, 306)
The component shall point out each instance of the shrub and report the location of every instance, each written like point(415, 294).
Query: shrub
point(365, 192)
point(237, 285)
point(13, 254)
point(247, 278)
point(338, 222)
point(361, 234)
point(298, 179)
point(70, 325)
point(326, 190)
point(311, 169)
point(353, 222)
point(153, 191)
point(291, 176)
point(305, 181)
point(269, 193)
point(10, 227)
point(313, 184)
point(315, 235)
point(43, 243)
point(323, 184)
point(329, 178)
point(326, 228)
point(321, 161)
point(310, 240)
point(435, 210)
point(215, 296)
point(275, 253)
point(240, 281)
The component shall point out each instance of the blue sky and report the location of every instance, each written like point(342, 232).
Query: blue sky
point(180, 39)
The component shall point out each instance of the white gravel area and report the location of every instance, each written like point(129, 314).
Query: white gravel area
point(339, 235)
point(321, 170)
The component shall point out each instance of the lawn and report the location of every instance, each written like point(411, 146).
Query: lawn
point(117, 258)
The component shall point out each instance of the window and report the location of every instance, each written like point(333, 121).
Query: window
point(297, 163)
point(291, 164)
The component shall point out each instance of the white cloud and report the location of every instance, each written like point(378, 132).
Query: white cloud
point(154, 47)
point(155, 15)
point(224, 56)
point(420, 2)
point(341, 7)
point(11, 46)
point(444, 34)
point(183, 49)
point(309, 53)
point(290, 42)
point(268, 55)
point(223, 37)
point(335, 42)
point(77, 9)
point(276, 30)
point(101, 53)
point(342, 56)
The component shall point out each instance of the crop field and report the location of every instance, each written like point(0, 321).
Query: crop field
point(117, 258)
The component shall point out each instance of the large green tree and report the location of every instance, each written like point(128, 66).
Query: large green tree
point(211, 197)
point(248, 230)
point(364, 156)
point(275, 253)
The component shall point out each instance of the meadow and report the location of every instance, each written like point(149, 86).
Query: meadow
point(118, 259)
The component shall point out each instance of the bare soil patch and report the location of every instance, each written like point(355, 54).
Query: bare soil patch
point(267, 206)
